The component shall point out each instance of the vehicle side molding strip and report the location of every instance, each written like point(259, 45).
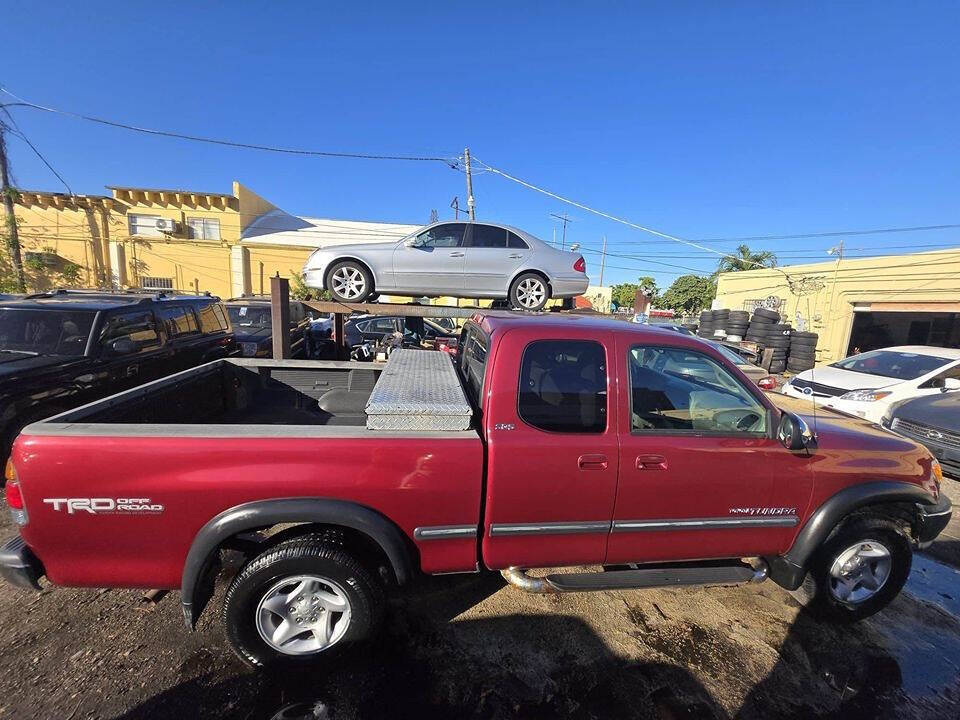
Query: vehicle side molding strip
point(789, 570)
point(705, 523)
point(549, 528)
point(264, 513)
point(445, 532)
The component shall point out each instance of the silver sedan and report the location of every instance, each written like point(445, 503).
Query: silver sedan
point(461, 259)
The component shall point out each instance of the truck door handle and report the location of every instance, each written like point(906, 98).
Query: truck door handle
point(456, 254)
point(651, 462)
point(592, 462)
point(133, 370)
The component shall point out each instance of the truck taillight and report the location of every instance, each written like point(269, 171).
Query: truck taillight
point(14, 496)
point(580, 265)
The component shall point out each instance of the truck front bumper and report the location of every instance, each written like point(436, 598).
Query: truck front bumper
point(19, 566)
point(932, 520)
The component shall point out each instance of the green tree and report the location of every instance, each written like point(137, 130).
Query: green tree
point(300, 291)
point(689, 294)
point(743, 258)
point(624, 294)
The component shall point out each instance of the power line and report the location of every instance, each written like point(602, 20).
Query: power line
point(20, 134)
point(835, 233)
point(452, 162)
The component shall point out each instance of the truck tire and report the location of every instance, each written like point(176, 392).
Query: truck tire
point(300, 600)
point(857, 572)
point(529, 292)
point(349, 281)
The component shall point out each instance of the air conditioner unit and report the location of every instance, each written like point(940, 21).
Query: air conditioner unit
point(167, 226)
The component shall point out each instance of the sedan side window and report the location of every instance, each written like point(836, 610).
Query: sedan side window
point(679, 390)
point(563, 386)
point(442, 236)
point(488, 236)
point(515, 243)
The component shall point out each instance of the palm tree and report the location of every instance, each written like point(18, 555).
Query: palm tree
point(744, 259)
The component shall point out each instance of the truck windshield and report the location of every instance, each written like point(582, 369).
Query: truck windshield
point(45, 331)
point(892, 364)
point(249, 316)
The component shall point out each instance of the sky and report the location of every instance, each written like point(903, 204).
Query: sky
point(702, 120)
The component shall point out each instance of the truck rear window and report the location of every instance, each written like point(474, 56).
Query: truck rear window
point(563, 386)
point(473, 362)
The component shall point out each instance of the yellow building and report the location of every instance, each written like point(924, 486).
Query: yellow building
point(859, 304)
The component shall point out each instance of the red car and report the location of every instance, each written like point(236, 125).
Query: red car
point(548, 441)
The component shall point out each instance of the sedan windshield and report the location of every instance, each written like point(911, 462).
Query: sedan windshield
point(44, 332)
point(892, 364)
point(249, 316)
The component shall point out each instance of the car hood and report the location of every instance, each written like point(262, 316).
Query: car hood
point(252, 334)
point(338, 250)
point(846, 379)
point(850, 449)
point(16, 364)
point(941, 410)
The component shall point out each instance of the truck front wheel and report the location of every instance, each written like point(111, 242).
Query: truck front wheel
point(858, 571)
point(299, 600)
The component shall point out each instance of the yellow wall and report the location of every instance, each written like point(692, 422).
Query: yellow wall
point(825, 294)
point(286, 261)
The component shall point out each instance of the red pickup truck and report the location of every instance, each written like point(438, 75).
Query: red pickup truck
point(547, 442)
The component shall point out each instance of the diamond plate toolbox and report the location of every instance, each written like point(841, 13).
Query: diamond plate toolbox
point(418, 390)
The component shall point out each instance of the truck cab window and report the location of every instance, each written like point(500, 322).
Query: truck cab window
point(563, 386)
point(676, 389)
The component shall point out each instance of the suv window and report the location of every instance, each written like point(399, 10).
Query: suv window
point(563, 386)
point(449, 235)
point(179, 320)
point(45, 331)
point(516, 243)
point(140, 327)
point(380, 325)
point(210, 320)
point(676, 389)
point(488, 236)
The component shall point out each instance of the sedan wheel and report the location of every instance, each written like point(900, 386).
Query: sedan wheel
point(349, 282)
point(529, 292)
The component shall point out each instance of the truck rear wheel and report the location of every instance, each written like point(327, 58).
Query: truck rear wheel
point(298, 601)
point(858, 571)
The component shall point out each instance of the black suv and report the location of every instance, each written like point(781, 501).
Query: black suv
point(253, 326)
point(64, 348)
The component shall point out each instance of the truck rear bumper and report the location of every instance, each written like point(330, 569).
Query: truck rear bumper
point(19, 566)
point(932, 520)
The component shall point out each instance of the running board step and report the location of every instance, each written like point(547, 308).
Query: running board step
point(712, 574)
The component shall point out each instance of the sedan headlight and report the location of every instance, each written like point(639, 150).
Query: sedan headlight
point(866, 395)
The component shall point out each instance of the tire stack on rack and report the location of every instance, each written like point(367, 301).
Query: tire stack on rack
point(737, 323)
point(779, 339)
point(705, 330)
point(803, 350)
point(720, 319)
point(759, 328)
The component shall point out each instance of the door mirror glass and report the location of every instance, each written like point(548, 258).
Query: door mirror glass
point(122, 346)
point(794, 433)
point(951, 384)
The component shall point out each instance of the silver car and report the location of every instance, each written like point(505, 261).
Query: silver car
point(462, 259)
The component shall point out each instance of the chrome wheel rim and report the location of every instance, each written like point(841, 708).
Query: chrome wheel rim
point(858, 573)
point(531, 292)
point(303, 614)
point(348, 282)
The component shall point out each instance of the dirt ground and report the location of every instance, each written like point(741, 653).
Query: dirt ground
point(469, 647)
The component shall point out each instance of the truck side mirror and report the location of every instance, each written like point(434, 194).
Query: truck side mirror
point(794, 433)
point(122, 346)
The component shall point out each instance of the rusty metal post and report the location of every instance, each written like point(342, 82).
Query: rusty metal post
point(280, 316)
point(343, 350)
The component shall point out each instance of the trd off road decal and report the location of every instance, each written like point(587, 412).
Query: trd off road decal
point(763, 511)
point(106, 506)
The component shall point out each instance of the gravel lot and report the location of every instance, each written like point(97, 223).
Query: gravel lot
point(469, 647)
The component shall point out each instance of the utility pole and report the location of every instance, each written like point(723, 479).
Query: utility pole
point(565, 219)
point(603, 258)
point(470, 206)
point(13, 238)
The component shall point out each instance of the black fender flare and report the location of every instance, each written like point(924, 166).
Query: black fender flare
point(789, 570)
point(264, 513)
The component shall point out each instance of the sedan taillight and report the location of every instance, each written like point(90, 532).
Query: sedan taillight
point(768, 383)
point(580, 265)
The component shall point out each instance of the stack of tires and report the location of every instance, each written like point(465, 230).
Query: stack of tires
point(705, 330)
point(803, 348)
point(737, 323)
point(720, 318)
point(759, 328)
point(779, 339)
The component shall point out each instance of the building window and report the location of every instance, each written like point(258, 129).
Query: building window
point(203, 228)
point(144, 225)
point(156, 283)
